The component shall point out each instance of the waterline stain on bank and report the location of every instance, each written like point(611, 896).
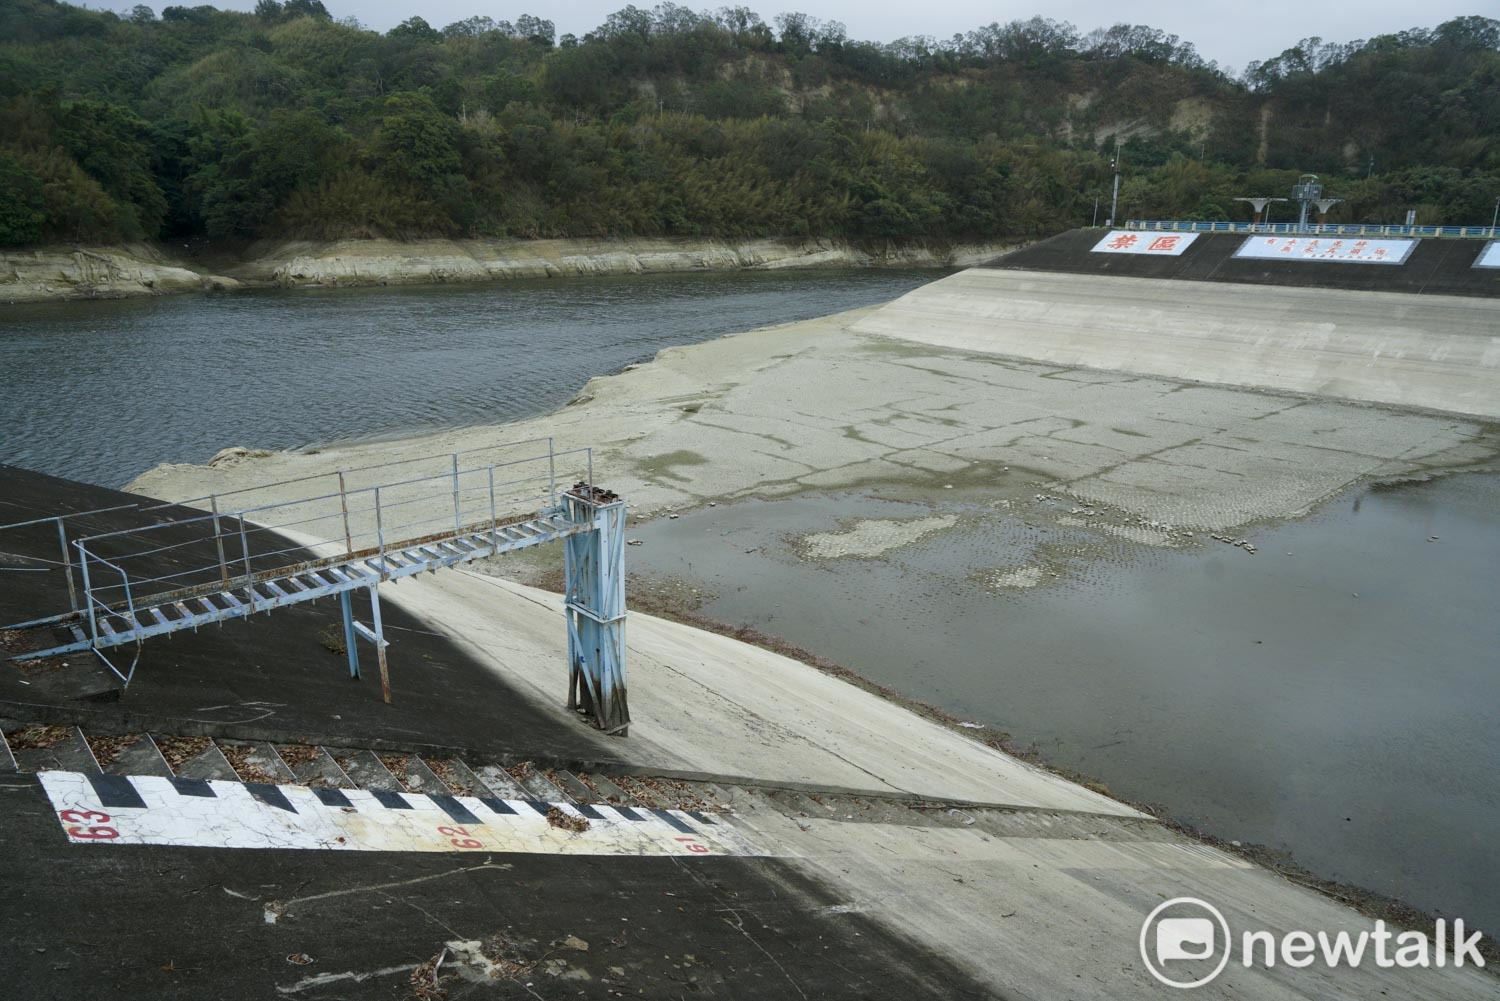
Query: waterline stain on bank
point(1336, 702)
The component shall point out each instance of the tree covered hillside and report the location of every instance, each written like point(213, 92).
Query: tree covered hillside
point(288, 123)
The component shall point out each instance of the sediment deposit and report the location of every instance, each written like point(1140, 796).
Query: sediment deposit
point(48, 274)
point(389, 262)
point(53, 273)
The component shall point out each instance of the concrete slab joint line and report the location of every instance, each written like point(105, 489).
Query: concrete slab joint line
point(119, 605)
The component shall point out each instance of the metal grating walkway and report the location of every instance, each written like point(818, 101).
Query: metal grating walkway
point(165, 577)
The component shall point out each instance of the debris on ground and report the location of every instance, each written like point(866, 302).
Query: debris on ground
point(597, 495)
point(178, 750)
point(497, 958)
point(241, 759)
point(566, 821)
point(1239, 543)
point(332, 637)
point(444, 771)
point(426, 981)
point(397, 764)
point(38, 736)
point(296, 755)
point(107, 749)
point(299, 959)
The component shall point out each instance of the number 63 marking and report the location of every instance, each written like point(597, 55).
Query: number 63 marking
point(85, 824)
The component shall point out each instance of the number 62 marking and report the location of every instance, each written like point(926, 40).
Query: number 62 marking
point(459, 837)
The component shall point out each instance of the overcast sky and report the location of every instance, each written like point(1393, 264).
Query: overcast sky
point(1232, 34)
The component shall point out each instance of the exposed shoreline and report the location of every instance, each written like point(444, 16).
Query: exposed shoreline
point(60, 273)
point(820, 406)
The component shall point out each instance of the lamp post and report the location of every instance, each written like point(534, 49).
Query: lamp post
point(1259, 205)
point(1495, 219)
point(1262, 207)
point(1324, 204)
point(1114, 202)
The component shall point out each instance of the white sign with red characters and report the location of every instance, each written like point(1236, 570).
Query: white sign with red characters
point(1157, 244)
point(1346, 250)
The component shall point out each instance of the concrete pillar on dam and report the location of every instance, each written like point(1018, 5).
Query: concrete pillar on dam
point(594, 568)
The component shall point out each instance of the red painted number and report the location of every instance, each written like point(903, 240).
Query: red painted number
point(85, 824)
point(693, 846)
point(459, 837)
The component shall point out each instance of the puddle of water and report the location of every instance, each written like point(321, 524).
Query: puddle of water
point(1339, 701)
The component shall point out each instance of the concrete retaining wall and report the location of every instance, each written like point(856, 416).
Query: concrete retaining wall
point(1434, 352)
point(1435, 267)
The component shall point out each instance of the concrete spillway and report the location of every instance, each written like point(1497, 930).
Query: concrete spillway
point(1434, 352)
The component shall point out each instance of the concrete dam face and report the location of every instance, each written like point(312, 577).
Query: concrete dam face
point(1354, 331)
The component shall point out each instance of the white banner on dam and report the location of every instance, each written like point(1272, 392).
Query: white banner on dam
point(1489, 257)
point(1349, 250)
point(1157, 244)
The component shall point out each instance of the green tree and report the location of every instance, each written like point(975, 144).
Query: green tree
point(22, 209)
point(415, 143)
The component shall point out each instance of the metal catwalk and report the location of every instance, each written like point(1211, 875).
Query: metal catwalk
point(363, 527)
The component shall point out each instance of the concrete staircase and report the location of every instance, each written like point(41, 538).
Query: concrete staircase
point(37, 747)
point(740, 802)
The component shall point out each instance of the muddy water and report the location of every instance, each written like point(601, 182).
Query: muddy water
point(102, 391)
point(1336, 694)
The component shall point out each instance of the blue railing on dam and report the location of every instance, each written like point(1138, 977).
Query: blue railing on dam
point(1315, 229)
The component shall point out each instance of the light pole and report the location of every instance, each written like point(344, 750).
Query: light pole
point(1114, 201)
point(1495, 219)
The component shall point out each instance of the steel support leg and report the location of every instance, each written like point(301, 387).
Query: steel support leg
point(385, 678)
point(594, 565)
point(346, 604)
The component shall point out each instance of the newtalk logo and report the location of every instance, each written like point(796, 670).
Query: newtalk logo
point(1185, 942)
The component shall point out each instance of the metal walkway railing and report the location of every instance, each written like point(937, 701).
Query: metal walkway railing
point(1316, 229)
point(364, 526)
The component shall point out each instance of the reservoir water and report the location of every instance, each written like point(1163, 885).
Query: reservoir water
point(1334, 695)
point(102, 391)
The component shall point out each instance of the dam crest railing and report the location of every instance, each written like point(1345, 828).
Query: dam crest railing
point(1316, 229)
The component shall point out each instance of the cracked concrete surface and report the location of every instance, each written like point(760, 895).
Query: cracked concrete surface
point(819, 406)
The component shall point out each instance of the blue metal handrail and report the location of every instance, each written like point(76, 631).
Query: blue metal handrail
point(589, 521)
point(1316, 229)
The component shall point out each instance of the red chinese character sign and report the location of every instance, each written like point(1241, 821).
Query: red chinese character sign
point(1155, 244)
point(1345, 250)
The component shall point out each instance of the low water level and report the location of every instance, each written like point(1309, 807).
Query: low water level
point(1338, 701)
point(102, 391)
point(1334, 694)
